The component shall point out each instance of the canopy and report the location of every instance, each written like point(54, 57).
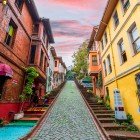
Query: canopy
point(6, 70)
point(87, 80)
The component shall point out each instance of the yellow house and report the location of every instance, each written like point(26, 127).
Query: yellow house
point(119, 36)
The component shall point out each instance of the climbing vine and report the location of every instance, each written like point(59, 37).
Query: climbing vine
point(31, 74)
point(99, 83)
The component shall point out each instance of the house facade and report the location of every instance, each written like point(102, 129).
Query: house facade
point(119, 36)
point(59, 71)
point(94, 64)
point(24, 38)
point(50, 71)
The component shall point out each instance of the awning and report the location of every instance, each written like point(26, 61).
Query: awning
point(6, 70)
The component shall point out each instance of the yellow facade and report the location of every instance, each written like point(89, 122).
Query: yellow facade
point(122, 76)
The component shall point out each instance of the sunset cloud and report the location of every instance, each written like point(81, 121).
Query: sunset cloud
point(71, 21)
point(70, 28)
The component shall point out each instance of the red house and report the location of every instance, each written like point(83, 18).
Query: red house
point(24, 38)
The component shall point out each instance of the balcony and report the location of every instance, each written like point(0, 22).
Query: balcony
point(94, 65)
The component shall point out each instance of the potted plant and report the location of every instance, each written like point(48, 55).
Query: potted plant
point(27, 91)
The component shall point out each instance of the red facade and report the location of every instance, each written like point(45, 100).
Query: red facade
point(17, 23)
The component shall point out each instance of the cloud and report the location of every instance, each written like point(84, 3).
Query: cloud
point(80, 4)
point(71, 21)
point(70, 28)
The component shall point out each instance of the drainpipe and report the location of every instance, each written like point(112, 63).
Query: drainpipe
point(111, 46)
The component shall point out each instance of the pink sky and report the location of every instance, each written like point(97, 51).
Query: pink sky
point(71, 22)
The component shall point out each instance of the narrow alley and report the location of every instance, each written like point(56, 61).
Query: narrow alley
point(69, 119)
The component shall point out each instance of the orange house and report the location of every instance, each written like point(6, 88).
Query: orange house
point(95, 68)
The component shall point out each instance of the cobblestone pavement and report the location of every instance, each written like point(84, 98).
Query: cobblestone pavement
point(69, 119)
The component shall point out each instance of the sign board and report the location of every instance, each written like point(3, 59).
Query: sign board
point(119, 107)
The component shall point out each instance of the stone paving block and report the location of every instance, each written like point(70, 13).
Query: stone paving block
point(69, 118)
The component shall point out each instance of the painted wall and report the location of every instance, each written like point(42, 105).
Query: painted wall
point(125, 73)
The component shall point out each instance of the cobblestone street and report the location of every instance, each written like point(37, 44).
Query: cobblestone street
point(69, 119)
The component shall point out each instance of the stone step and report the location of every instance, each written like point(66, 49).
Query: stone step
point(37, 109)
point(33, 115)
point(94, 104)
point(103, 111)
point(99, 108)
point(113, 126)
point(105, 115)
point(123, 135)
point(106, 120)
point(29, 119)
point(34, 112)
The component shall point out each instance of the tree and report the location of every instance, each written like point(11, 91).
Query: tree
point(81, 61)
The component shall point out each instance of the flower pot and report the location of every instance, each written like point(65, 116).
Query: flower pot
point(19, 116)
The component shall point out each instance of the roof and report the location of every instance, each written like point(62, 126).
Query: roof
point(92, 38)
point(111, 4)
point(32, 9)
point(47, 26)
point(34, 13)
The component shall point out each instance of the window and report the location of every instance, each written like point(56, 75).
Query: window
point(41, 58)
point(106, 40)
point(19, 4)
point(32, 54)
point(55, 63)
point(94, 60)
point(45, 64)
point(125, 4)
point(36, 28)
point(137, 78)
point(44, 35)
point(122, 52)
point(116, 19)
point(135, 39)
point(109, 64)
point(10, 34)
point(102, 44)
point(105, 70)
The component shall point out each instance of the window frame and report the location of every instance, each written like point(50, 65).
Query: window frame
point(106, 38)
point(132, 39)
point(41, 58)
point(109, 64)
point(21, 7)
point(105, 68)
point(125, 6)
point(94, 61)
point(122, 52)
point(34, 54)
point(55, 63)
point(12, 38)
point(116, 21)
point(102, 44)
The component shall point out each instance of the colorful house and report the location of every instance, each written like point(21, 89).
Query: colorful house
point(50, 71)
point(21, 45)
point(119, 36)
point(59, 71)
point(94, 61)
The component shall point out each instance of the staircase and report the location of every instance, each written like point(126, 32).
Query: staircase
point(33, 114)
point(106, 119)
